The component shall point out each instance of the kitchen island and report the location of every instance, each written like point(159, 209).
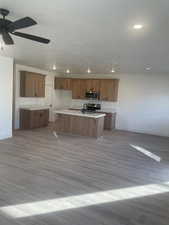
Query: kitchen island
point(76, 122)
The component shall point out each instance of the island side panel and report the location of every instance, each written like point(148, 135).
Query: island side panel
point(63, 123)
point(79, 125)
point(99, 126)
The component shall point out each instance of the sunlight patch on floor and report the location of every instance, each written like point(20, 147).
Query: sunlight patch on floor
point(85, 200)
point(146, 152)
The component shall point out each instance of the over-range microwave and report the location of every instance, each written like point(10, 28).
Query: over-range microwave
point(92, 94)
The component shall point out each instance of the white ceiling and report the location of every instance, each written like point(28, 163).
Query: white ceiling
point(93, 33)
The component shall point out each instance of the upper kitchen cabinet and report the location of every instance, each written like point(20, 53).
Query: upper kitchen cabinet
point(109, 89)
point(106, 88)
point(78, 88)
point(93, 84)
point(63, 83)
point(32, 84)
point(58, 83)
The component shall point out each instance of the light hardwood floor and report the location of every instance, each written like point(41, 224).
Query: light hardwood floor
point(35, 166)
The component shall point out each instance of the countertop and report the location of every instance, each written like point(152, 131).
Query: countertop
point(103, 110)
point(35, 107)
point(79, 113)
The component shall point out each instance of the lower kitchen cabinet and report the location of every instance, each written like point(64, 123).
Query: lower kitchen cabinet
point(109, 121)
point(30, 119)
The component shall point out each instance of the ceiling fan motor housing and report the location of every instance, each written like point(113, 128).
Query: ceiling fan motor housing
point(3, 22)
point(3, 25)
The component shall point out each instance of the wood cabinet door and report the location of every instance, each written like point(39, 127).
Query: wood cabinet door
point(32, 84)
point(108, 89)
point(78, 89)
point(63, 83)
point(59, 83)
point(67, 84)
point(34, 119)
point(93, 84)
point(109, 121)
point(82, 88)
point(30, 119)
point(76, 92)
point(44, 117)
point(96, 85)
point(39, 118)
point(39, 86)
point(89, 85)
point(25, 117)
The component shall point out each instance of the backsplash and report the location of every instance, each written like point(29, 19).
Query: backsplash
point(104, 105)
point(68, 102)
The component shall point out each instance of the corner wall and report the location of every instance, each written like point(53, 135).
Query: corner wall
point(6, 96)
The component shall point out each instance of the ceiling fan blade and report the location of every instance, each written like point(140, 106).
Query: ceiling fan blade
point(32, 37)
point(21, 23)
point(7, 38)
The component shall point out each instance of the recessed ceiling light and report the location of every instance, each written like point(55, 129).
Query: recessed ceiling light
point(113, 71)
point(67, 71)
point(54, 67)
point(88, 71)
point(148, 68)
point(138, 26)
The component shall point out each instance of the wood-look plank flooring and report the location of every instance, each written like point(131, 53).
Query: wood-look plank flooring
point(35, 166)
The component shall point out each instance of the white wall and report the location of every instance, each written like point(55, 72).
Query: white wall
point(51, 96)
point(143, 104)
point(6, 96)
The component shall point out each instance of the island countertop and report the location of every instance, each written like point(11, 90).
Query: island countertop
point(32, 108)
point(79, 113)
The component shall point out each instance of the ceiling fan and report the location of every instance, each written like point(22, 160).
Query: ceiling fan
point(8, 27)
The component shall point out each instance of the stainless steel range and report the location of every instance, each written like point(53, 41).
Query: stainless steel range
point(91, 107)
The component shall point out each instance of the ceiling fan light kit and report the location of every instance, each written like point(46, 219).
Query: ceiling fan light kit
point(8, 27)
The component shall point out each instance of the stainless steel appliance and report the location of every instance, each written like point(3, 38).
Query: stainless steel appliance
point(91, 107)
point(92, 94)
